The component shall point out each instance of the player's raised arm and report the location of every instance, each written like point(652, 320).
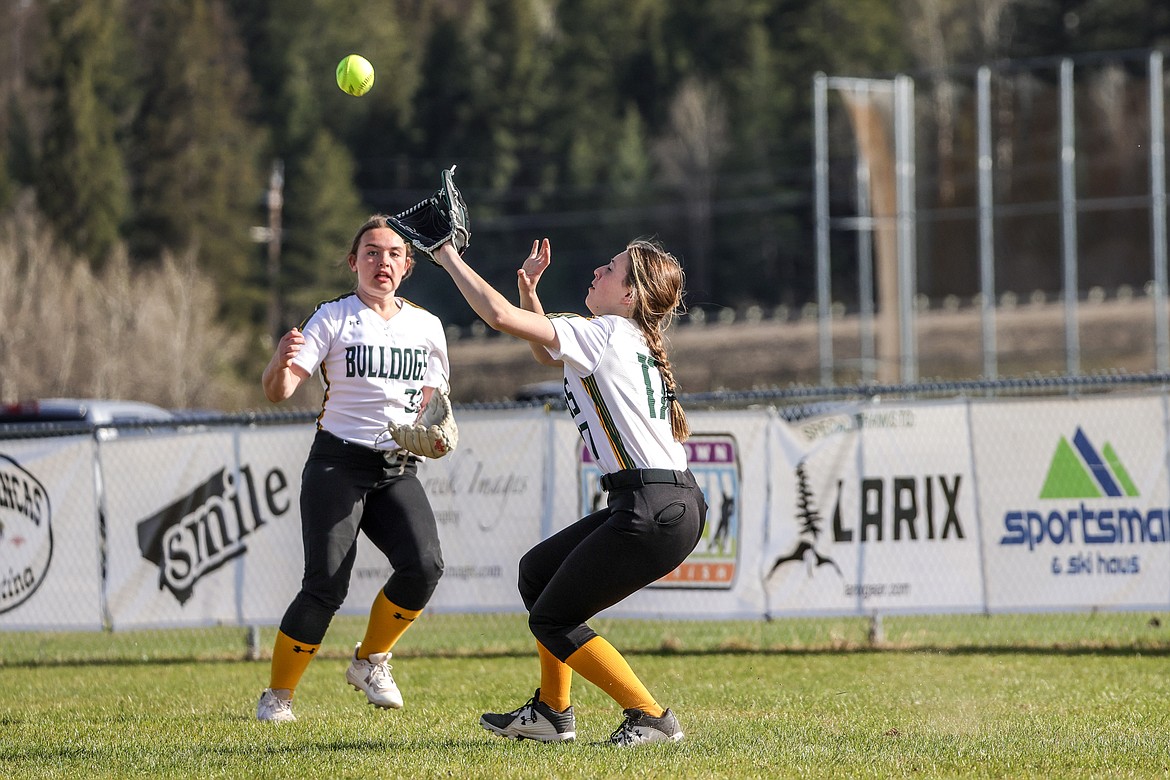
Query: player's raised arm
point(493, 308)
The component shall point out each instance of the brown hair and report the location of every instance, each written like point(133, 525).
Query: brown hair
point(381, 221)
point(657, 280)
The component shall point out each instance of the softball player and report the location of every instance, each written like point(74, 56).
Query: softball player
point(380, 358)
point(621, 392)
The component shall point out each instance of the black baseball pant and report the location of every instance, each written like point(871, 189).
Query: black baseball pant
point(347, 488)
point(641, 536)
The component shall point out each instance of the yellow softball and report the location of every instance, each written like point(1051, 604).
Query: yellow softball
point(355, 75)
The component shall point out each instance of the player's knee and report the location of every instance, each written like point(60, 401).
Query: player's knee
point(527, 583)
point(413, 587)
point(542, 628)
point(319, 606)
point(558, 637)
point(426, 567)
point(427, 578)
point(433, 571)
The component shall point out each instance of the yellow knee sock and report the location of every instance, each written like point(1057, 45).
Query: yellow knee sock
point(600, 663)
point(388, 622)
point(290, 658)
point(556, 678)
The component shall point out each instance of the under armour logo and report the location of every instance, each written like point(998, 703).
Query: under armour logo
point(400, 616)
point(299, 649)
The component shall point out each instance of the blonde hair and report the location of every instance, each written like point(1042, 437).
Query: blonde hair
point(380, 221)
point(657, 280)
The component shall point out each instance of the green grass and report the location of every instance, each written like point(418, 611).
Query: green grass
point(1045, 696)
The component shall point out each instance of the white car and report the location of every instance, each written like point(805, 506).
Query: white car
point(105, 418)
point(95, 411)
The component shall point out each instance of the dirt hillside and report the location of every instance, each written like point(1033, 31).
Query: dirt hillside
point(1113, 335)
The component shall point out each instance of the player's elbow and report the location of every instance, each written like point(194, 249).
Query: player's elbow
point(279, 388)
point(543, 358)
point(499, 318)
point(273, 393)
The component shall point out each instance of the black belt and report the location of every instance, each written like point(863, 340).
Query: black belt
point(628, 479)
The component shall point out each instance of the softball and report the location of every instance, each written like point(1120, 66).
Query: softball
point(355, 75)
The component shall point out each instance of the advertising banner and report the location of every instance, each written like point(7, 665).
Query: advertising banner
point(50, 553)
point(180, 515)
point(1075, 499)
point(873, 509)
point(865, 507)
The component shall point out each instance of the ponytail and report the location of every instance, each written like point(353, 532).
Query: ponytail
point(657, 280)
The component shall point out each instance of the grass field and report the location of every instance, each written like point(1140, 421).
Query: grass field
point(969, 697)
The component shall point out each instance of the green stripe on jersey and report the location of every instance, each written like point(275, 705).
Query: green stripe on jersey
point(611, 430)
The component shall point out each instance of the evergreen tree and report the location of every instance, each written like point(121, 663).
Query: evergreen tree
point(8, 182)
point(375, 127)
point(807, 512)
point(1047, 28)
point(483, 103)
point(322, 211)
point(449, 123)
point(484, 94)
point(601, 68)
point(195, 155)
point(81, 180)
point(21, 159)
point(630, 169)
point(295, 50)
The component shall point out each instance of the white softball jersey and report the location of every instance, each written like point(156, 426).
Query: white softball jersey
point(373, 370)
point(616, 393)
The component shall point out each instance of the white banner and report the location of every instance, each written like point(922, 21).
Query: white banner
point(179, 515)
point(50, 566)
point(1075, 497)
point(874, 511)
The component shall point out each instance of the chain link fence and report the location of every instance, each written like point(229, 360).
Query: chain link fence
point(1001, 513)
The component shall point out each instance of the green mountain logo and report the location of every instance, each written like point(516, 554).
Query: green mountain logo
point(1077, 470)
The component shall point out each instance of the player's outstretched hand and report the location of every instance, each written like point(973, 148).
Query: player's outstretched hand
point(538, 260)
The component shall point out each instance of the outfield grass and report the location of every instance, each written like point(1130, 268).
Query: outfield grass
point(486, 635)
point(819, 705)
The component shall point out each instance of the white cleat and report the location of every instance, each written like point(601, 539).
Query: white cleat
point(275, 706)
point(372, 677)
